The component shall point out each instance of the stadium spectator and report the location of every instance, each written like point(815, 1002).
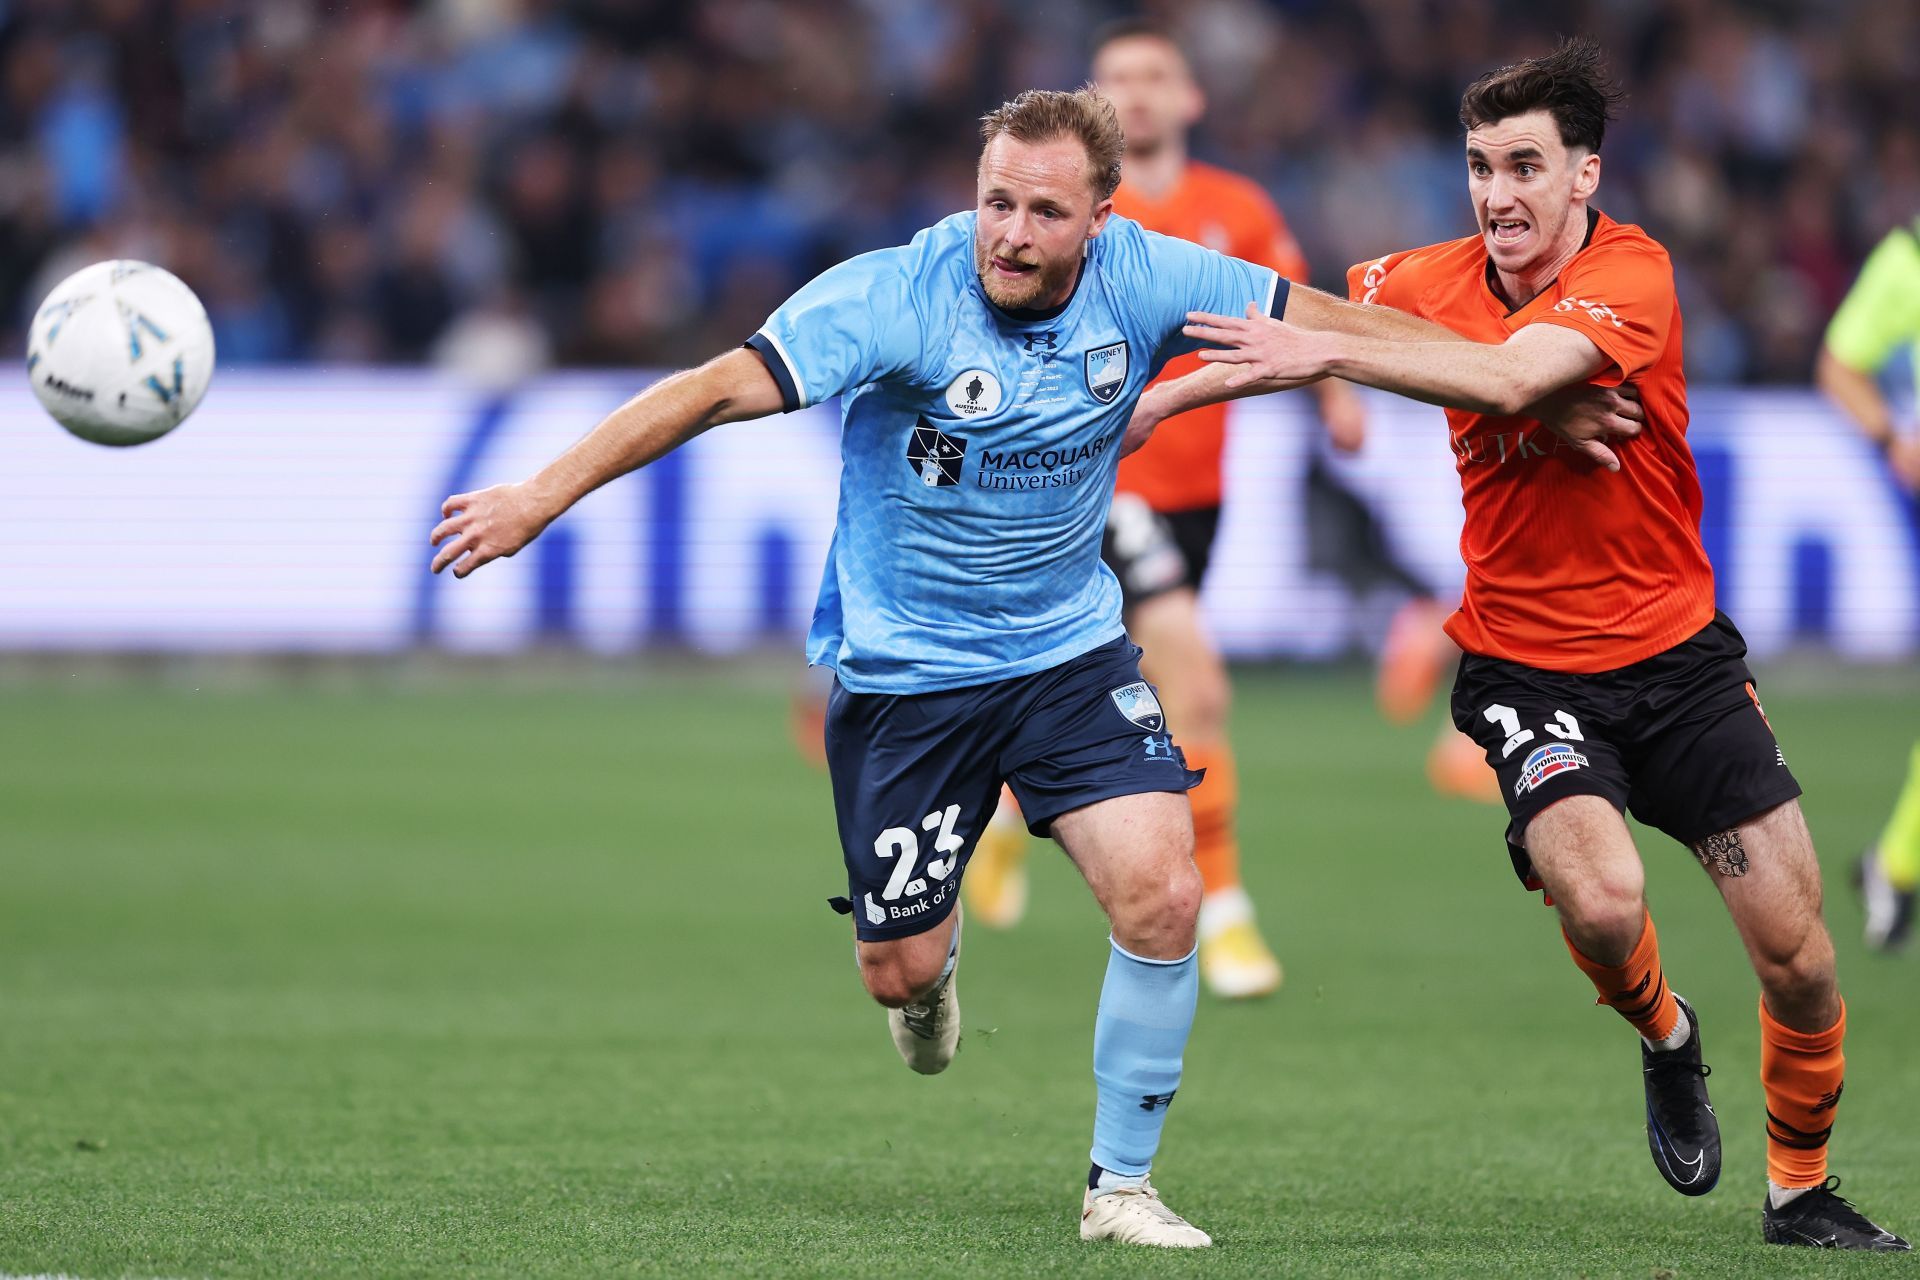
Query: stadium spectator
point(348, 182)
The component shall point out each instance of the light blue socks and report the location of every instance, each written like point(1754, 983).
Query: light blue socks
point(1139, 1038)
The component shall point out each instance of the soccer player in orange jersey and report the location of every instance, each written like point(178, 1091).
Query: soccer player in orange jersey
point(1598, 675)
point(1167, 511)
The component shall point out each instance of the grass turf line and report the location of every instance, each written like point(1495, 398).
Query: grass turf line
point(541, 982)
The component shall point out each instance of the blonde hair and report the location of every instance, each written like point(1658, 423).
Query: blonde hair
point(1041, 115)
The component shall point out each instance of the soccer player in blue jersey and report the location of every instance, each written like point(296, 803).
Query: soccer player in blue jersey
point(986, 374)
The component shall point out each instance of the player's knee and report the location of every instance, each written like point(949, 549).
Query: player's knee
point(1796, 974)
point(1606, 911)
point(1159, 913)
point(893, 980)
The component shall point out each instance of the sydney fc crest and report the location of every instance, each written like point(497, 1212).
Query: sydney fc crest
point(1137, 703)
point(1107, 371)
point(935, 456)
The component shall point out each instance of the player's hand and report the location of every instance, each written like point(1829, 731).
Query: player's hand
point(1586, 417)
point(1265, 348)
point(1343, 415)
point(486, 525)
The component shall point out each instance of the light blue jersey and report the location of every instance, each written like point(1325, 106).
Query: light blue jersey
point(978, 449)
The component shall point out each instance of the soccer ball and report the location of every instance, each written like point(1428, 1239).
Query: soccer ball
point(120, 352)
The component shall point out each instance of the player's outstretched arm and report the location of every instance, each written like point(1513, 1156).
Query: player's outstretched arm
point(1478, 377)
point(1512, 378)
point(1311, 308)
point(498, 521)
point(1583, 415)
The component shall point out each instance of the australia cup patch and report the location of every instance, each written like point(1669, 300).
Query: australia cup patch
point(1137, 703)
point(935, 456)
point(1555, 757)
point(1107, 371)
point(973, 394)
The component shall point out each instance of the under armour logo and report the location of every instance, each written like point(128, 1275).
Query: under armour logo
point(1158, 748)
point(1156, 1101)
point(1049, 340)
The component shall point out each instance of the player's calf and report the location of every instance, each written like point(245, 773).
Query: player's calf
point(900, 971)
point(923, 1012)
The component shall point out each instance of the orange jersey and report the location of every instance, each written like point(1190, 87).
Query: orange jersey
point(1569, 567)
point(1179, 469)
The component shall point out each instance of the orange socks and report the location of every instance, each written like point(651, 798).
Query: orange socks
point(1216, 845)
point(1803, 1074)
point(1637, 990)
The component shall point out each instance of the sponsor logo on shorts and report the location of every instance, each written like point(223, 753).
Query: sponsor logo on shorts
point(1137, 703)
point(1107, 371)
point(1544, 763)
point(875, 914)
point(911, 907)
point(1160, 748)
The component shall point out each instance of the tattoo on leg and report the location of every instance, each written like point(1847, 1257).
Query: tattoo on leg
point(1723, 853)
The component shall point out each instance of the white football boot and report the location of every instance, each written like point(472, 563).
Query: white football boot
point(928, 1034)
point(1135, 1215)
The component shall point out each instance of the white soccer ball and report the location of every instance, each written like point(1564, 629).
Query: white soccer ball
point(120, 352)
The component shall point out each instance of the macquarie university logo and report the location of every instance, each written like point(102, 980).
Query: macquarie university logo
point(935, 456)
point(1107, 371)
point(1137, 703)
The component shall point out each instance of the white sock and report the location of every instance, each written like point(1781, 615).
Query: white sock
point(953, 957)
point(1778, 1196)
point(1111, 1181)
point(1682, 1028)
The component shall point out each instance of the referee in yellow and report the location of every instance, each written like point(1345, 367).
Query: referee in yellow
point(1879, 317)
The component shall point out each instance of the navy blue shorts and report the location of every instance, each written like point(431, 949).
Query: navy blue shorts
point(917, 776)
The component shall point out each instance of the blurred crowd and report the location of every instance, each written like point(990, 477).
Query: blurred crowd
point(498, 185)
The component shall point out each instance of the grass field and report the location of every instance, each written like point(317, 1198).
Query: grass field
point(459, 976)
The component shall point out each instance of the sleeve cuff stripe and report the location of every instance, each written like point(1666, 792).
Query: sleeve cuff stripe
point(780, 364)
point(1277, 296)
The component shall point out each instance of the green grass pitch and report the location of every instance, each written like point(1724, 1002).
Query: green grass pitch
point(453, 976)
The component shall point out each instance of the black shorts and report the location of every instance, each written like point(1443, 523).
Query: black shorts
point(1154, 552)
point(1678, 739)
point(917, 776)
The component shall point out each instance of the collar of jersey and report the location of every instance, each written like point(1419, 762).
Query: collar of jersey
point(1032, 318)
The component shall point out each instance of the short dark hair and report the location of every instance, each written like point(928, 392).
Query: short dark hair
point(1130, 29)
point(1571, 84)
